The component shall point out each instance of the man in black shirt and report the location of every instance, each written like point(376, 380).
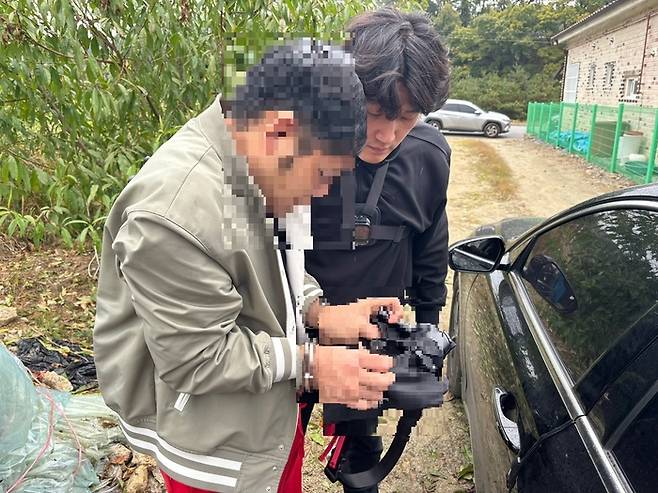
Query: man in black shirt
point(383, 231)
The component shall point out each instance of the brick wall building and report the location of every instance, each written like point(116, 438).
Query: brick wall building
point(612, 55)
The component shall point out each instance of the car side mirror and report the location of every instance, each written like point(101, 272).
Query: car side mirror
point(481, 254)
point(478, 112)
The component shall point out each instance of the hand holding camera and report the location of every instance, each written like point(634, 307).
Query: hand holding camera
point(354, 377)
point(346, 324)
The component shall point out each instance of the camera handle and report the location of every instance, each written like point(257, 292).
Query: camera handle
point(374, 475)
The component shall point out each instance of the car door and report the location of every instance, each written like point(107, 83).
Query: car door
point(486, 364)
point(533, 336)
point(470, 119)
point(507, 387)
point(450, 116)
point(461, 117)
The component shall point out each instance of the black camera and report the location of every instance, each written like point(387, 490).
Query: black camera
point(418, 352)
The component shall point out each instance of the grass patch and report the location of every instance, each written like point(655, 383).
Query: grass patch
point(491, 167)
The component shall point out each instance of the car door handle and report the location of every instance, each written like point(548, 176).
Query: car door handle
point(504, 402)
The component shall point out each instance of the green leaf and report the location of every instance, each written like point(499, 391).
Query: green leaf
point(82, 236)
point(78, 54)
point(12, 227)
point(72, 222)
point(317, 437)
point(43, 75)
point(92, 194)
point(466, 472)
point(35, 185)
point(42, 176)
point(13, 167)
point(96, 103)
point(26, 178)
point(66, 237)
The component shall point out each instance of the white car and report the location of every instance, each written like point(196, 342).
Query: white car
point(464, 116)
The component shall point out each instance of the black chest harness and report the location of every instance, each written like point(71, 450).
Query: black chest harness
point(361, 222)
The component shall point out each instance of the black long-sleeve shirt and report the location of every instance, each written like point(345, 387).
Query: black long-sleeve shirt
point(414, 195)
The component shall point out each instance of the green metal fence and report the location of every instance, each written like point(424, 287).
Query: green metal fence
point(621, 139)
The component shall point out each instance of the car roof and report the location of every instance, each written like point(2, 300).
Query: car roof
point(458, 101)
point(637, 192)
point(645, 192)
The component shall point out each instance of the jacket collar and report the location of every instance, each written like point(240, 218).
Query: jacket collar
point(235, 166)
point(237, 178)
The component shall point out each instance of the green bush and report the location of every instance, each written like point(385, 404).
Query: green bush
point(91, 88)
point(508, 94)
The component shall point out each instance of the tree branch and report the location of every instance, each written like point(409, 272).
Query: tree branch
point(53, 51)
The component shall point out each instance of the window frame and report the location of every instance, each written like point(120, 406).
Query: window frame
point(609, 75)
point(520, 254)
point(473, 109)
point(634, 81)
point(454, 105)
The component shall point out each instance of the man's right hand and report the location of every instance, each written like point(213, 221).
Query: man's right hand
point(354, 377)
point(345, 324)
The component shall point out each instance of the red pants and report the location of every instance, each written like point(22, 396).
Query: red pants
point(291, 479)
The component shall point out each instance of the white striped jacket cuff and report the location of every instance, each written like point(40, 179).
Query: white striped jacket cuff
point(284, 363)
point(311, 293)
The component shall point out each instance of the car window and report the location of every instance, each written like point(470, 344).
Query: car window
point(450, 107)
point(637, 449)
point(591, 280)
point(464, 108)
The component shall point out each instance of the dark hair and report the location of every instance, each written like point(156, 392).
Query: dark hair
point(390, 47)
point(318, 83)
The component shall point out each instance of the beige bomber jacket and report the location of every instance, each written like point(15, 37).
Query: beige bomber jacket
point(194, 337)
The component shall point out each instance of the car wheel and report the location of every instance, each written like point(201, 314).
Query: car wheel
point(436, 124)
point(491, 130)
point(454, 363)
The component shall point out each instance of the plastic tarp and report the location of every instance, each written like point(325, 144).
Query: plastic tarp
point(580, 140)
point(49, 440)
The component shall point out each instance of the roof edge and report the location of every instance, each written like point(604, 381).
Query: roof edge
point(599, 18)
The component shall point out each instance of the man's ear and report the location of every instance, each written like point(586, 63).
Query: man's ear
point(281, 131)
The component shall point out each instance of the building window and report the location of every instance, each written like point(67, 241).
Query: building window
point(571, 82)
point(631, 89)
point(591, 76)
point(609, 76)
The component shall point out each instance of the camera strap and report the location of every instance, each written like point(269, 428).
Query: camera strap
point(375, 475)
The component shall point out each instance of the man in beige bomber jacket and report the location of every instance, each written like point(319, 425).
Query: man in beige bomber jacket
point(201, 308)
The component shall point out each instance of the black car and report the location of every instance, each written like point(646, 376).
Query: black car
point(557, 347)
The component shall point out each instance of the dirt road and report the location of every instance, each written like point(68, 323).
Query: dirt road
point(490, 180)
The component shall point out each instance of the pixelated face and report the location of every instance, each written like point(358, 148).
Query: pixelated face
point(384, 135)
point(310, 176)
point(287, 163)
